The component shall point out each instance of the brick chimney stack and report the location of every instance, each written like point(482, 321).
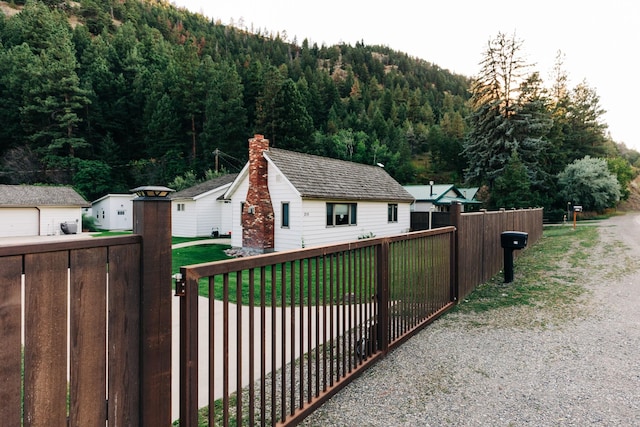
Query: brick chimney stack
point(257, 214)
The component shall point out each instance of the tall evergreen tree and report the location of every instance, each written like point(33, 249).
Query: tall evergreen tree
point(225, 126)
point(55, 102)
point(509, 116)
point(490, 143)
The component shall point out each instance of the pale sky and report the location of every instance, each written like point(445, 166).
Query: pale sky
point(600, 39)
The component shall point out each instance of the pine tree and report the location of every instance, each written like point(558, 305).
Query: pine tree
point(225, 116)
point(509, 116)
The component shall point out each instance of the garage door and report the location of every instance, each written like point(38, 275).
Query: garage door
point(19, 222)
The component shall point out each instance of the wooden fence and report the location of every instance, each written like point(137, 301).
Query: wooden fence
point(480, 254)
point(68, 292)
point(88, 322)
point(287, 330)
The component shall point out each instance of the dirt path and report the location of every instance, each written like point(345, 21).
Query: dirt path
point(619, 289)
point(516, 367)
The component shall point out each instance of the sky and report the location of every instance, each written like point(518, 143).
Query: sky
point(600, 40)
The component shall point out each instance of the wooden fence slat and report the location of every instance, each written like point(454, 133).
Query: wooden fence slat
point(124, 332)
point(10, 337)
point(88, 336)
point(45, 352)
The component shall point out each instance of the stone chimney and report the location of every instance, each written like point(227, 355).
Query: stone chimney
point(257, 213)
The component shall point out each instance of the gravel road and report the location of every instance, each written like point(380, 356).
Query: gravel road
point(517, 366)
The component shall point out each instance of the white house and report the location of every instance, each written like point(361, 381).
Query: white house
point(113, 212)
point(199, 210)
point(438, 197)
point(286, 200)
point(33, 210)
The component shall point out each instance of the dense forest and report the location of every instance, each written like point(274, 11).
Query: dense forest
point(107, 95)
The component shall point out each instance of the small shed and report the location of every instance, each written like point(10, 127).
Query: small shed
point(113, 212)
point(35, 210)
point(199, 210)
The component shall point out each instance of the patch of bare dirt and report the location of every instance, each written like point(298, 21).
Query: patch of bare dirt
point(633, 203)
point(9, 10)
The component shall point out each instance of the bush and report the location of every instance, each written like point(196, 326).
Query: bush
point(89, 223)
point(555, 215)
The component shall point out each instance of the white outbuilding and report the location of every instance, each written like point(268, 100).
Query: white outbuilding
point(39, 210)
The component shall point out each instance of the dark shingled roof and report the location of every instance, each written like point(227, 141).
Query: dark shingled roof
point(36, 195)
point(203, 187)
point(318, 177)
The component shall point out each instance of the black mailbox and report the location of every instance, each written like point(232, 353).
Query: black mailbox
point(514, 239)
point(511, 240)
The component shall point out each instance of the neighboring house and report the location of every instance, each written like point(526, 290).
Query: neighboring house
point(287, 200)
point(438, 197)
point(199, 210)
point(32, 210)
point(113, 212)
point(470, 193)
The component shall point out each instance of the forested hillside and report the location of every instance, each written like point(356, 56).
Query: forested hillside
point(110, 94)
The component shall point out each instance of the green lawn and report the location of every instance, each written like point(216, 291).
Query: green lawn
point(197, 254)
point(294, 282)
point(547, 275)
point(174, 240)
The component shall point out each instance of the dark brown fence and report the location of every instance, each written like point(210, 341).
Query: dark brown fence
point(286, 330)
point(85, 327)
point(480, 254)
point(428, 220)
point(88, 322)
point(79, 310)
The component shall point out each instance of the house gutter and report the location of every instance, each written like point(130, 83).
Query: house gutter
point(39, 222)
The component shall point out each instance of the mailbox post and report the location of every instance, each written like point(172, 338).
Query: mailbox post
point(511, 240)
point(576, 209)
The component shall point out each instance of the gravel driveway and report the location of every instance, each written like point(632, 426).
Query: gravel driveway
point(514, 367)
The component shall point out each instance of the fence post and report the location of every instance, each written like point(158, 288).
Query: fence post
point(382, 292)
point(152, 220)
point(456, 215)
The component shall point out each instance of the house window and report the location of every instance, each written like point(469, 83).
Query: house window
point(392, 212)
point(341, 214)
point(241, 211)
point(180, 207)
point(285, 215)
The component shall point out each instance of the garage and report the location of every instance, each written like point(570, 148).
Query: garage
point(37, 210)
point(19, 222)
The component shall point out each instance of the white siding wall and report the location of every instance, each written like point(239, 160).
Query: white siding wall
point(281, 191)
point(18, 222)
point(184, 223)
point(51, 217)
point(307, 218)
point(209, 211)
point(122, 204)
point(371, 218)
point(238, 196)
point(422, 206)
point(106, 211)
point(226, 218)
point(100, 211)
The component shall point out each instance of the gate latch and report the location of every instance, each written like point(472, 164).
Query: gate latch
point(181, 289)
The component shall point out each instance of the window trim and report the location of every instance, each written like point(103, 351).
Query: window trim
point(352, 214)
point(285, 215)
point(392, 213)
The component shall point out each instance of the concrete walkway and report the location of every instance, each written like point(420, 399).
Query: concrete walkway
point(301, 319)
point(217, 241)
